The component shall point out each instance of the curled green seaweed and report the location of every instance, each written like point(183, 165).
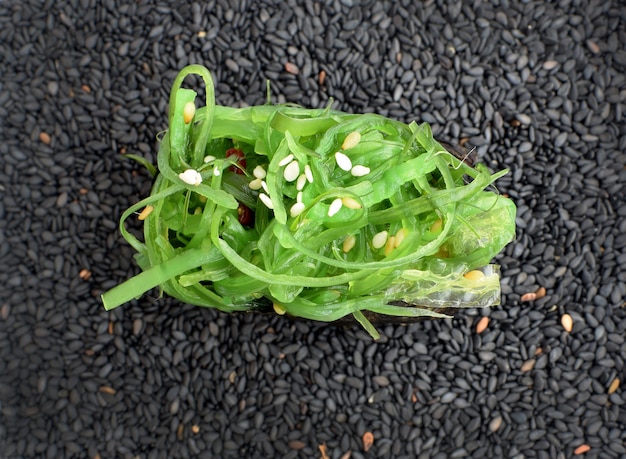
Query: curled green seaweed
point(255, 203)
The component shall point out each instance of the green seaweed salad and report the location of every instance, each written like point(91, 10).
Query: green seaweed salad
point(324, 214)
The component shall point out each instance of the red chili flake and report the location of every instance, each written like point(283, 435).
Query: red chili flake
point(245, 215)
point(241, 159)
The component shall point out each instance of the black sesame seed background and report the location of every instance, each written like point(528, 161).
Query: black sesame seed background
point(537, 87)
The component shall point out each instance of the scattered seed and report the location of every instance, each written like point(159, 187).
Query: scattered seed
point(351, 203)
point(335, 207)
point(296, 444)
point(593, 47)
point(495, 423)
point(195, 429)
point(286, 160)
point(351, 140)
point(308, 173)
point(292, 171)
point(567, 322)
point(259, 172)
point(380, 239)
point(321, 77)
point(291, 68)
point(256, 184)
point(436, 226)
point(368, 441)
point(360, 171)
point(390, 245)
point(582, 449)
point(299, 196)
point(189, 110)
point(343, 161)
point(217, 171)
point(348, 243)
point(265, 187)
point(209, 158)
point(278, 309)
point(528, 365)
point(107, 390)
point(482, 324)
point(523, 118)
point(400, 235)
point(474, 275)
point(549, 65)
point(297, 209)
point(84, 274)
point(530, 296)
point(614, 386)
point(191, 177)
point(265, 199)
point(44, 137)
point(4, 311)
point(540, 293)
point(300, 182)
point(145, 212)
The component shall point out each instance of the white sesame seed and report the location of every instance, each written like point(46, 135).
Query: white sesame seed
point(335, 207)
point(301, 182)
point(351, 140)
point(348, 243)
point(209, 158)
point(390, 245)
point(145, 212)
point(216, 171)
point(380, 239)
point(188, 111)
point(400, 235)
point(296, 209)
point(259, 172)
point(256, 184)
point(292, 170)
point(191, 177)
point(264, 186)
point(360, 171)
point(266, 200)
point(308, 173)
point(299, 196)
point(343, 161)
point(278, 309)
point(286, 160)
point(350, 202)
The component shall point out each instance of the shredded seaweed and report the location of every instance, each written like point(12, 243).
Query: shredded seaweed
point(261, 201)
